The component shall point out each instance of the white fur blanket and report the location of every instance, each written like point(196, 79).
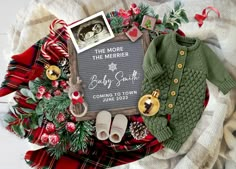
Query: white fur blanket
point(213, 142)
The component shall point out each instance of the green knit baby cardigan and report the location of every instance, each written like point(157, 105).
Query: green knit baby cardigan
point(178, 67)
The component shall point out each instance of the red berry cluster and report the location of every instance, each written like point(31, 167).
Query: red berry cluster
point(50, 137)
point(58, 87)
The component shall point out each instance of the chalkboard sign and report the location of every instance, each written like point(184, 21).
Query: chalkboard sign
point(112, 75)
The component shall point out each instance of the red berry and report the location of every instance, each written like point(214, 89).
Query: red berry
point(61, 117)
point(129, 12)
point(73, 118)
point(44, 138)
point(126, 22)
point(55, 83)
point(47, 95)
point(158, 21)
point(39, 96)
point(136, 11)
point(63, 83)
point(57, 93)
point(133, 5)
point(70, 127)
point(53, 139)
point(41, 89)
point(135, 24)
point(50, 127)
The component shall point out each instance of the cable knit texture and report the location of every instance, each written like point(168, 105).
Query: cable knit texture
point(178, 67)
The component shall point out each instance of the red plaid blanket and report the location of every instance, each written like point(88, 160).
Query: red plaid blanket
point(101, 154)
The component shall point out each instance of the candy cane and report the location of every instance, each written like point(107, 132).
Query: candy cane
point(58, 21)
point(60, 50)
point(62, 45)
point(43, 50)
point(53, 43)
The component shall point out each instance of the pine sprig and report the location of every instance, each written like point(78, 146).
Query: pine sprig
point(145, 10)
point(76, 141)
point(81, 138)
point(116, 24)
point(54, 106)
point(58, 150)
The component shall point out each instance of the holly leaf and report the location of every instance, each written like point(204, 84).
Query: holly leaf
point(32, 87)
point(49, 117)
point(39, 109)
point(176, 26)
point(9, 118)
point(19, 129)
point(177, 5)
point(27, 110)
point(40, 121)
point(12, 109)
point(164, 19)
point(28, 93)
point(184, 16)
point(30, 101)
point(33, 126)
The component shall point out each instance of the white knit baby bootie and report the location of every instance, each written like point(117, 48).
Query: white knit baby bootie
point(103, 123)
point(118, 128)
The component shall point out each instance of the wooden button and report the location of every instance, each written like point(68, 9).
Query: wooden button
point(179, 66)
point(182, 52)
point(173, 93)
point(176, 81)
point(170, 106)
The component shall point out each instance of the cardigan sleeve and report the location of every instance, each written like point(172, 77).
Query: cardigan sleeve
point(159, 127)
point(151, 66)
point(216, 72)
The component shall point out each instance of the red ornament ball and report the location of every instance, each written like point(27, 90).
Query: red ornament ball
point(44, 138)
point(61, 117)
point(50, 127)
point(70, 127)
point(53, 139)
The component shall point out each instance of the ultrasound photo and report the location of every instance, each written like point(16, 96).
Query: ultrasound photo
point(90, 32)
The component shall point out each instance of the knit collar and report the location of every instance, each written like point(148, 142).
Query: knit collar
point(193, 42)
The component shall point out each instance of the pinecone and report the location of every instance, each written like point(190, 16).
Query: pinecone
point(138, 130)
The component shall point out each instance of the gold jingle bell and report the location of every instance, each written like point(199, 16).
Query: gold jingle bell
point(53, 72)
point(149, 104)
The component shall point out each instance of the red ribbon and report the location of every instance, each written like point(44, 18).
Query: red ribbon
point(201, 18)
point(79, 100)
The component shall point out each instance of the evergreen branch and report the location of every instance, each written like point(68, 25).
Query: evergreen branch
point(82, 136)
point(58, 150)
point(53, 106)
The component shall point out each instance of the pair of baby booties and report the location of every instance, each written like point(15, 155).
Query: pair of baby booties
point(117, 128)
